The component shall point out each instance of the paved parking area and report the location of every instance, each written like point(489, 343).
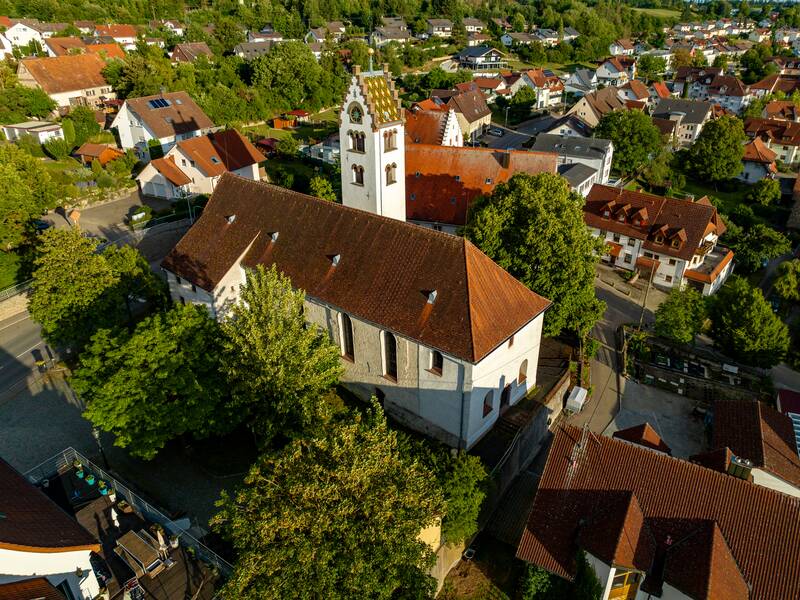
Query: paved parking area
point(669, 414)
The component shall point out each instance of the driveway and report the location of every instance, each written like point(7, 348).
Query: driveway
point(510, 140)
point(535, 126)
point(108, 220)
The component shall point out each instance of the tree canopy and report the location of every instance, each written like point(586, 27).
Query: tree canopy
point(717, 153)
point(636, 140)
point(755, 244)
point(335, 516)
point(533, 227)
point(680, 317)
point(787, 281)
point(744, 326)
point(765, 192)
point(277, 366)
point(156, 383)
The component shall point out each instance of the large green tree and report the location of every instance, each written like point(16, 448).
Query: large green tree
point(533, 227)
point(680, 317)
point(334, 516)
point(767, 191)
point(636, 140)
point(289, 76)
point(755, 244)
point(717, 152)
point(156, 383)
point(787, 281)
point(744, 326)
point(278, 367)
point(77, 290)
point(651, 67)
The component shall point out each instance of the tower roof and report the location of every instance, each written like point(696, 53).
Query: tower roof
point(383, 101)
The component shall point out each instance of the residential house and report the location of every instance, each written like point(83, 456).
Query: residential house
point(440, 28)
point(334, 30)
point(473, 25)
point(580, 177)
point(570, 34)
point(41, 131)
point(85, 27)
point(547, 37)
point(124, 35)
point(328, 150)
point(6, 48)
point(385, 35)
point(190, 52)
point(266, 34)
point(478, 39)
point(102, 153)
point(654, 526)
point(674, 241)
point(785, 110)
point(758, 161)
point(480, 58)
point(771, 84)
point(60, 46)
point(502, 23)
point(39, 540)
point(394, 23)
point(581, 82)
point(635, 91)
point(695, 81)
point(251, 50)
point(569, 125)
point(595, 153)
point(72, 80)
point(513, 82)
point(548, 87)
point(194, 166)
point(442, 182)
point(690, 117)
point(491, 87)
point(754, 442)
point(474, 115)
point(22, 32)
point(623, 47)
point(730, 93)
point(782, 137)
point(514, 38)
point(438, 363)
point(174, 27)
point(616, 70)
point(595, 105)
point(658, 91)
point(161, 120)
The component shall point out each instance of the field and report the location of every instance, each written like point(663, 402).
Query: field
point(660, 12)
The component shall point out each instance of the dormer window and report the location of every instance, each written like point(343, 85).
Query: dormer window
point(659, 239)
point(606, 214)
point(621, 218)
point(676, 243)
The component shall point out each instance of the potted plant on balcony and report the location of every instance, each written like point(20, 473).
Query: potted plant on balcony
point(112, 494)
point(174, 541)
point(90, 479)
point(101, 485)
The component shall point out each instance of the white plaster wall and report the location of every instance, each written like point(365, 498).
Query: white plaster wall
point(498, 369)
point(20, 34)
point(765, 479)
point(668, 593)
point(56, 566)
point(150, 175)
point(604, 572)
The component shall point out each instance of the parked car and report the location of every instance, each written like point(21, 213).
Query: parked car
point(496, 132)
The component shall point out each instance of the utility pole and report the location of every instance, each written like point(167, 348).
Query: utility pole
point(646, 292)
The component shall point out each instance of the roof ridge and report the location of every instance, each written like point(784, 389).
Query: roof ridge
point(468, 295)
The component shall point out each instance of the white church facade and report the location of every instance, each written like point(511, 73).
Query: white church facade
point(427, 323)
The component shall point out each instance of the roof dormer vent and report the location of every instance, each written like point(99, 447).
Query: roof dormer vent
point(230, 218)
point(273, 236)
point(335, 258)
point(432, 296)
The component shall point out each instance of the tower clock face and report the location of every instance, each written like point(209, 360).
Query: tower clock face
point(356, 115)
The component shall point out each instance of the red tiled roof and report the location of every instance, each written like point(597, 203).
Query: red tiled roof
point(182, 115)
point(32, 522)
point(222, 151)
point(5, 22)
point(171, 171)
point(644, 435)
point(781, 109)
point(668, 216)
point(725, 85)
point(542, 80)
point(116, 31)
point(603, 101)
point(65, 45)
point(638, 88)
point(37, 588)
point(478, 305)
point(718, 460)
point(66, 73)
point(101, 152)
point(471, 104)
point(710, 277)
point(778, 130)
point(191, 51)
point(425, 126)
point(665, 126)
point(678, 500)
point(757, 151)
point(635, 104)
point(106, 50)
point(778, 83)
point(661, 89)
point(443, 181)
point(614, 249)
point(759, 433)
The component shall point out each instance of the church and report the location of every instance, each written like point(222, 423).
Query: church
point(439, 333)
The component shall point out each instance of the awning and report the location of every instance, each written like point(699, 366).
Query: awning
point(614, 249)
point(647, 263)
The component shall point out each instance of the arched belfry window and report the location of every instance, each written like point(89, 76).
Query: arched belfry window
point(391, 174)
point(389, 356)
point(358, 175)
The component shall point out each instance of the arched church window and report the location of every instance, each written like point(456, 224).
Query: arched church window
point(358, 175)
point(391, 174)
point(359, 142)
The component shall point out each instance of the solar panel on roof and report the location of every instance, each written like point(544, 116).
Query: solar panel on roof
point(158, 103)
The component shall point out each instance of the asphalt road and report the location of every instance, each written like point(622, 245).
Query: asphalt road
point(21, 346)
point(511, 140)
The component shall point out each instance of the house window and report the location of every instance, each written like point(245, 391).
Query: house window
point(178, 280)
point(523, 372)
point(391, 174)
point(437, 362)
point(183, 162)
point(659, 239)
point(390, 140)
point(194, 288)
point(631, 242)
point(358, 175)
point(628, 257)
point(389, 356)
point(437, 227)
point(346, 336)
point(668, 278)
point(671, 261)
point(616, 237)
point(488, 403)
point(676, 243)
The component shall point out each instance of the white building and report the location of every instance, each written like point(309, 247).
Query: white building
point(440, 28)
point(195, 165)
point(548, 87)
point(689, 115)
point(595, 153)
point(624, 47)
point(162, 119)
point(674, 242)
point(24, 31)
point(38, 539)
point(41, 131)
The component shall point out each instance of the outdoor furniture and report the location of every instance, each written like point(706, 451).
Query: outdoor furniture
point(140, 551)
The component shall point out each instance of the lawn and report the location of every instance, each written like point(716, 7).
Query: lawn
point(305, 132)
point(660, 12)
point(103, 137)
point(9, 266)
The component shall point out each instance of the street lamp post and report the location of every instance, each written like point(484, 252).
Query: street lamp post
point(96, 434)
point(506, 124)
